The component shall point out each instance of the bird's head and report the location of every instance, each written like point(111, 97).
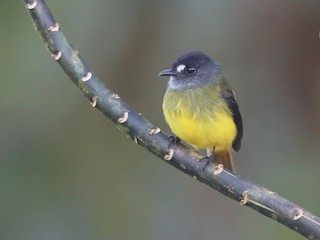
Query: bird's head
point(192, 69)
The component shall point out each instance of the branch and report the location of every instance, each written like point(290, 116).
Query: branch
point(151, 138)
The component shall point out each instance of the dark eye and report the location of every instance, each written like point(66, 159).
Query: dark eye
point(190, 70)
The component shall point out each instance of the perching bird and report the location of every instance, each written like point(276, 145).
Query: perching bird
point(200, 107)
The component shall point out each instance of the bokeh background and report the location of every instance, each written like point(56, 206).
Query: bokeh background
point(67, 173)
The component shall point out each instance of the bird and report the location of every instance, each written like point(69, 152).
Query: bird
point(200, 107)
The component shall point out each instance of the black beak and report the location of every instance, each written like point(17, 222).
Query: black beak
point(167, 72)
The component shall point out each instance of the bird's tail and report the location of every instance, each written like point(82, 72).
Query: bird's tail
point(226, 159)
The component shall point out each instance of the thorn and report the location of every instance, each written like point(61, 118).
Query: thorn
point(244, 199)
point(32, 5)
point(57, 55)
point(298, 214)
point(87, 77)
point(169, 155)
point(154, 131)
point(54, 28)
point(115, 96)
point(124, 118)
point(94, 101)
point(218, 169)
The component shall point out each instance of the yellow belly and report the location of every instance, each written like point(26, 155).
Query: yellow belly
point(209, 125)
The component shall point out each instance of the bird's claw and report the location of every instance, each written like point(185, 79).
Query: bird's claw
point(173, 140)
point(209, 161)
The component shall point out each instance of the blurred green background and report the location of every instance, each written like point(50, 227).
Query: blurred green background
point(67, 173)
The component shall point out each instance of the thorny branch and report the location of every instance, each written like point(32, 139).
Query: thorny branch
point(151, 138)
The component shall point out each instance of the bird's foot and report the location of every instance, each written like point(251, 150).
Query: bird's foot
point(173, 140)
point(209, 159)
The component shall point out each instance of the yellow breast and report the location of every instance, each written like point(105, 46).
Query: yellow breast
point(200, 117)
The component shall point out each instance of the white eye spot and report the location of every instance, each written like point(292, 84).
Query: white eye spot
point(180, 68)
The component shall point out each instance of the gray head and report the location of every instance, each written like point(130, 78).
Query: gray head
point(192, 69)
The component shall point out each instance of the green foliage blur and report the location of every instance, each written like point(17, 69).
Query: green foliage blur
point(67, 173)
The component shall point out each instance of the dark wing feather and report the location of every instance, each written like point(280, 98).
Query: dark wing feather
point(228, 95)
